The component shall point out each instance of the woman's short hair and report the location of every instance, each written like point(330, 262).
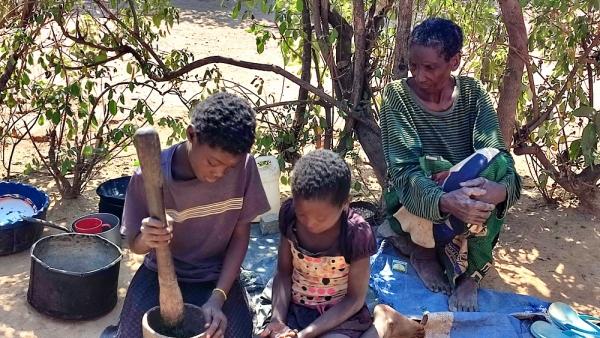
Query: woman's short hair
point(439, 33)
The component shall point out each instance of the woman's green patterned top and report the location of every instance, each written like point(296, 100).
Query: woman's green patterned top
point(410, 131)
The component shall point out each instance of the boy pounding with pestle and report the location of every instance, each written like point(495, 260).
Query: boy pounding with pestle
point(212, 191)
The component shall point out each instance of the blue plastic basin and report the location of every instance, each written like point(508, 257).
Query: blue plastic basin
point(20, 235)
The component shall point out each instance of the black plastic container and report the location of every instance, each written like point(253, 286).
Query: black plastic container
point(112, 196)
point(368, 211)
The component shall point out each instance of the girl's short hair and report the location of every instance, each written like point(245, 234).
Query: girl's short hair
point(322, 175)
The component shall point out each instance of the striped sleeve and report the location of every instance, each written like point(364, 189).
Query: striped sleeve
point(487, 134)
point(402, 149)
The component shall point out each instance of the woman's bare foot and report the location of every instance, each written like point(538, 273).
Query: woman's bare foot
point(464, 298)
point(400, 242)
point(429, 269)
point(392, 324)
point(403, 244)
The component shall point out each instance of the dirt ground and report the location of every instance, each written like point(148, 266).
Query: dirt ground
point(545, 251)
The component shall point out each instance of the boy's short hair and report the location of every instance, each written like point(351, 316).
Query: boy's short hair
point(322, 175)
point(225, 121)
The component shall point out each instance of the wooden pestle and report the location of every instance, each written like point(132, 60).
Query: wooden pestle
point(147, 145)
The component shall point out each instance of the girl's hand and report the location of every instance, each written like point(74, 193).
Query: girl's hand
point(155, 234)
point(277, 329)
point(289, 334)
point(216, 322)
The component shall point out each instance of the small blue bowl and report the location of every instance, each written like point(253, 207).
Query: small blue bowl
point(19, 235)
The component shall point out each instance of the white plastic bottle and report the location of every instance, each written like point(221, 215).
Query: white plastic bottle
point(268, 168)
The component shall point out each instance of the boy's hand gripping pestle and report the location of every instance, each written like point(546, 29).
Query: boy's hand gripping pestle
point(147, 145)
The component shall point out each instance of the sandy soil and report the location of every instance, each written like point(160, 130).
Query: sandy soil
point(545, 251)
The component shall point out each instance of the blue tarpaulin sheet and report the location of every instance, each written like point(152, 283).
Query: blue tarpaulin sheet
point(500, 314)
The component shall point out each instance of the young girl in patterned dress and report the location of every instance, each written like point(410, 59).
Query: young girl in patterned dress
point(323, 269)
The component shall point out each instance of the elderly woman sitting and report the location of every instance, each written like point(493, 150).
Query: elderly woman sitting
point(451, 178)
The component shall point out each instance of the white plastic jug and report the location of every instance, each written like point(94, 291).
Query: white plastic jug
point(268, 168)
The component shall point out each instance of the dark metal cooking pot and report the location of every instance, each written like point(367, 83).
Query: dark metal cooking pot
point(74, 276)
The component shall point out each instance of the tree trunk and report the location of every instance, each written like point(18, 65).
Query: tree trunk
point(405, 14)
point(589, 198)
point(343, 52)
point(358, 73)
point(369, 137)
point(585, 186)
point(299, 120)
point(518, 54)
point(586, 191)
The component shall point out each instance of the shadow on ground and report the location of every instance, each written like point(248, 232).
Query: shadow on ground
point(550, 253)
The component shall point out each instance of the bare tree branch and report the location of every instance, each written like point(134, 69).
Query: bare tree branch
point(96, 64)
point(358, 76)
point(133, 34)
point(536, 123)
point(359, 53)
point(299, 119)
point(343, 72)
point(170, 75)
point(534, 99)
point(375, 19)
point(285, 103)
point(28, 7)
point(320, 32)
point(496, 37)
point(591, 81)
point(537, 151)
point(136, 24)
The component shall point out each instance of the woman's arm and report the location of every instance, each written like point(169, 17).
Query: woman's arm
point(358, 281)
point(402, 148)
point(487, 134)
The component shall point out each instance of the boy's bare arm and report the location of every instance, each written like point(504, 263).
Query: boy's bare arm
point(358, 281)
point(216, 322)
point(236, 251)
point(137, 246)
